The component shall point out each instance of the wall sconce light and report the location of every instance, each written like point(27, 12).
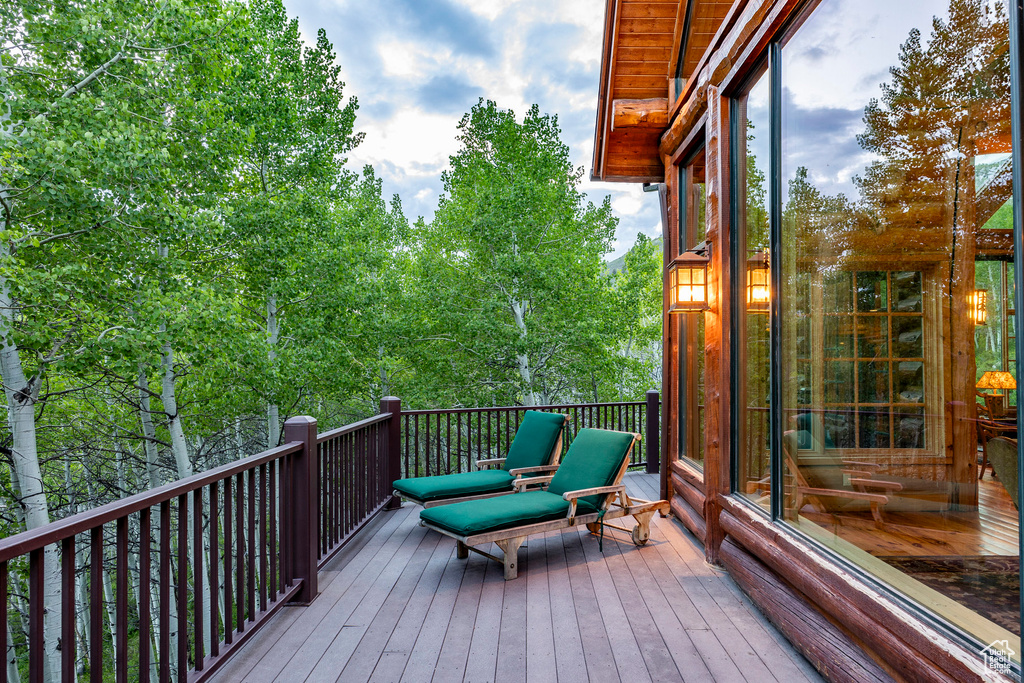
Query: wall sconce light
point(978, 303)
point(759, 292)
point(688, 280)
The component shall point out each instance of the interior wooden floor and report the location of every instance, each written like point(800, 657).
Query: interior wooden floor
point(399, 606)
point(991, 530)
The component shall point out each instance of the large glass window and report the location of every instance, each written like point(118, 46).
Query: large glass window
point(894, 384)
point(692, 231)
point(751, 157)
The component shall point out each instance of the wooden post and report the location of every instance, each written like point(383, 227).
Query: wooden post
point(303, 526)
point(717, 350)
point(393, 405)
point(653, 432)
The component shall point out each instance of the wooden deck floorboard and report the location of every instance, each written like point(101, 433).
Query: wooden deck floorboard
point(398, 605)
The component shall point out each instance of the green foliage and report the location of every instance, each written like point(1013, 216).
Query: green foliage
point(509, 276)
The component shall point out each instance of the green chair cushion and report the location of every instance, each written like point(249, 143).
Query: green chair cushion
point(593, 459)
point(442, 486)
point(534, 440)
point(493, 514)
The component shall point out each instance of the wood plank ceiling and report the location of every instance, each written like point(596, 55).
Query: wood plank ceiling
point(641, 43)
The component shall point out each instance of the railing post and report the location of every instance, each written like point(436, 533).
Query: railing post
point(393, 405)
point(303, 527)
point(652, 437)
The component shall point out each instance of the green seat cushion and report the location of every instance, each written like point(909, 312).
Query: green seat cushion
point(535, 438)
point(594, 459)
point(505, 512)
point(454, 485)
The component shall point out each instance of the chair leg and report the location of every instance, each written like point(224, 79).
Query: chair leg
point(461, 551)
point(510, 547)
point(876, 512)
point(642, 530)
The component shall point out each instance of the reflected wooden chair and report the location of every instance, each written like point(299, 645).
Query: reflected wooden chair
point(534, 451)
point(1003, 454)
point(586, 489)
point(835, 485)
point(988, 430)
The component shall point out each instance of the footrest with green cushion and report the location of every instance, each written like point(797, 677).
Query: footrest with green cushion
point(473, 517)
point(538, 442)
point(430, 489)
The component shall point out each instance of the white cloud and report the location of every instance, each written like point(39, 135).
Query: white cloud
point(417, 66)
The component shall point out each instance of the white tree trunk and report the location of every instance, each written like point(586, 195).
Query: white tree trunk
point(179, 447)
point(21, 394)
point(522, 360)
point(273, 334)
point(13, 675)
point(148, 431)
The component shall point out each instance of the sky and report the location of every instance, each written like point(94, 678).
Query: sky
point(416, 66)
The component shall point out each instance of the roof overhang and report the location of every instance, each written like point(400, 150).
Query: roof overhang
point(639, 58)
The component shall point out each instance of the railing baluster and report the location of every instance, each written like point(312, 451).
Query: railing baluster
point(251, 522)
point(183, 619)
point(121, 600)
point(96, 605)
point(240, 553)
point(405, 425)
point(263, 537)
point(416, 448)
point(275, 556)
point(214, 569)
point(67, 611)
point(228, 590)
point(144, 606)
point(165, 591)
point(3, 621)
point(197, 575)
point(35, 615)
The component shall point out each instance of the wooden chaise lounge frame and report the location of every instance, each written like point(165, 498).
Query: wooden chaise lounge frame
point(487, 463)
point(860, 481)
point(616, 504)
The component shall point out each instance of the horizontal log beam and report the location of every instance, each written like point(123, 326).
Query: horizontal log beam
point(910, 647)
point(687, 492)
point(825, 645)
point(690, 519)
point(651, 113)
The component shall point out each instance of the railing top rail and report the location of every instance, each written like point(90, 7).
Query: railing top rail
point(27, 541)
point(434, 411)
point(355, 426)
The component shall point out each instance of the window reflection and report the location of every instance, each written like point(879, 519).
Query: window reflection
point(895, 209)
point(692, 231)
point(752, 349)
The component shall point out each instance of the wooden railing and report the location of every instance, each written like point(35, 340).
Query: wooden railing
point(451, 440)
point(170, 582)
point(206, 560)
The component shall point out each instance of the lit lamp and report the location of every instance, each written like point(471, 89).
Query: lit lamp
point(759, 292)
point(996, 380)
point(688, 281)
point(978, 302)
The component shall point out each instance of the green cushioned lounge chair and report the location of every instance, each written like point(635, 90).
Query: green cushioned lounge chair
point(535, 450)
point(586, 489)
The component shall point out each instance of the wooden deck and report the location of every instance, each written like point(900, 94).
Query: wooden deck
point(399, 606)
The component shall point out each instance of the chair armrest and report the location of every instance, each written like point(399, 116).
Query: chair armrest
point(574, 496)
point(858, 473)
point(520, 484)
point(527, 470)
point(581, 493)
point(486, 464)
point(861, 465)
point(877, 484)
